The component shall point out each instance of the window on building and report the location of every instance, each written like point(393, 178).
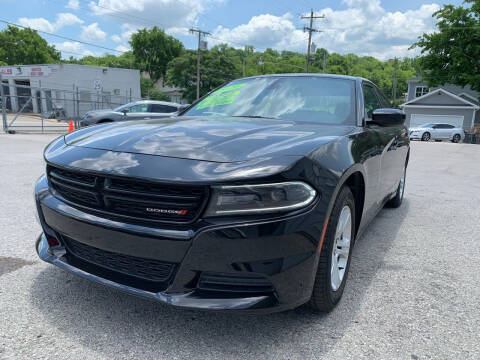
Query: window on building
point(420, 91)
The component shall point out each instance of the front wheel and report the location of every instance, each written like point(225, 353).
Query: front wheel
point(426, 136)
point(335, 254)
point(456, 138)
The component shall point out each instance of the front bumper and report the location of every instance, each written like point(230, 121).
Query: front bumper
point(282, 250)
point(415, 136)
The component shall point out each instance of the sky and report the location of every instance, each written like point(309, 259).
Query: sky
point(379, 28)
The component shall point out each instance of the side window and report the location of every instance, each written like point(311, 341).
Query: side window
point(384, 102)
point(139, 108)
point(159, 108)
point(446, 126)
point(370, 100)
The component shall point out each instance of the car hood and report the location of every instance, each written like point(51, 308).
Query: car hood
point(418, 129)
point(218, 139)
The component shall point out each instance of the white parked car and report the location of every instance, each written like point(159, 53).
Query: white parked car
point(428, 132)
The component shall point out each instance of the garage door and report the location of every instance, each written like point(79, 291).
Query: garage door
point(419, 119)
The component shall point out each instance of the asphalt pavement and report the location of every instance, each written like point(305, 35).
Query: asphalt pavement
point(413, 291)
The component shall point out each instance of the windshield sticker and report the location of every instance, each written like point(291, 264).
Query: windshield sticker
point(223, 96)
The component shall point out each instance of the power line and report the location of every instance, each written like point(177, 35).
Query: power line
point(310, 30)
point(62, 37)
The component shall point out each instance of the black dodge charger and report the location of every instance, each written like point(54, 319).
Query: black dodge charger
point(250, 200)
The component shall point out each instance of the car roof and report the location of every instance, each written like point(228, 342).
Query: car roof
point(332, 76)
point(153, 102)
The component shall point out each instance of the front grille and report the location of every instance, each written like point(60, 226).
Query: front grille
point(146, 269)
point(217, 282)
point(133, 200)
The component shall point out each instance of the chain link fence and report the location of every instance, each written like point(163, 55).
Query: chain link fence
point(34, 109)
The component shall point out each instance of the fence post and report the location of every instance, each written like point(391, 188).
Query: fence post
point(4, 106)
point(78, 110)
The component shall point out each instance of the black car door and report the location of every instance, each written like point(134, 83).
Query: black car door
point(385, 140)
point(394, 159)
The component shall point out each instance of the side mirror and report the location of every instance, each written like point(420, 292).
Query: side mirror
point(388, 117)
point(125, 111)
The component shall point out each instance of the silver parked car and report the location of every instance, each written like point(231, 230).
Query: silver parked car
point(436, 132)
point(144, 109)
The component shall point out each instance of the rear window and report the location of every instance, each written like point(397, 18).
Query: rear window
point(298, 98)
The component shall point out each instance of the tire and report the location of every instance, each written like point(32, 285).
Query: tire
point(397, 200)
point(456, 138)
point(426, 136)
point(327, 293)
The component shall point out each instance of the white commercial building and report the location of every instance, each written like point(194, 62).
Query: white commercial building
point(73, 88)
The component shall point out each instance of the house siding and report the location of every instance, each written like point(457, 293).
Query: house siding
point(454, 89)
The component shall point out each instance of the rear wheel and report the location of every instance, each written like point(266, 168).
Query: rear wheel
point(398, 199)
point(456, 138)
point(426, 136)
point(335, 255)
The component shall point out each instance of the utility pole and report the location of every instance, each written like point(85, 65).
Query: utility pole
point(200, 33)
point(310, 30)
point(4, 105)
point(324, 62)
point(394, 85)
point(243, 66)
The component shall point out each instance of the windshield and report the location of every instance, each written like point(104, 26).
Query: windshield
point(123, 107)
point(426, 125)
point(299, 98)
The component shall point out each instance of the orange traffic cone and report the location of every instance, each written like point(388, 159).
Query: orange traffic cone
point(70, 126)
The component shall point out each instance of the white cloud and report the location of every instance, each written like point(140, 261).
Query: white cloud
point(122, 48)
point(93, 32)
point(67, 19)
point(124, 36)
point(116, 38)
point(165, 14)
point(62, 19)
point(73, 4)
point(75, 49)
point(264, 31)
point(68, 46)
point(363, 28)
point(37, 24)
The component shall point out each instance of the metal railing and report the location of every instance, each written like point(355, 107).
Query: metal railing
point(40, 109)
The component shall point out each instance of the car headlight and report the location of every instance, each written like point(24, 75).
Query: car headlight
point(264, 198)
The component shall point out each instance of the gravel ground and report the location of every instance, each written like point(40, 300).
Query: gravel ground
point(413, 290)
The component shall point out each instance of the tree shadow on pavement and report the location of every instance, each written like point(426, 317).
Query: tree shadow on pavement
point(116, 325)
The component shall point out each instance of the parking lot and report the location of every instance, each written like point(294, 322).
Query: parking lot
point(413, 291)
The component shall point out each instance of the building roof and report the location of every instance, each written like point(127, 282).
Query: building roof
point(415, 101)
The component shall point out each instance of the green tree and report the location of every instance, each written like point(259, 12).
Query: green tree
point(149, 91)
point(217, 66)
point(452, 54)
point(25, 46)
point(153, 50)
point(125, 60)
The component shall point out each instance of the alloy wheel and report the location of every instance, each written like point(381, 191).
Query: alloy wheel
point(341, 247)
point(401, 186)
point(426, 137)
